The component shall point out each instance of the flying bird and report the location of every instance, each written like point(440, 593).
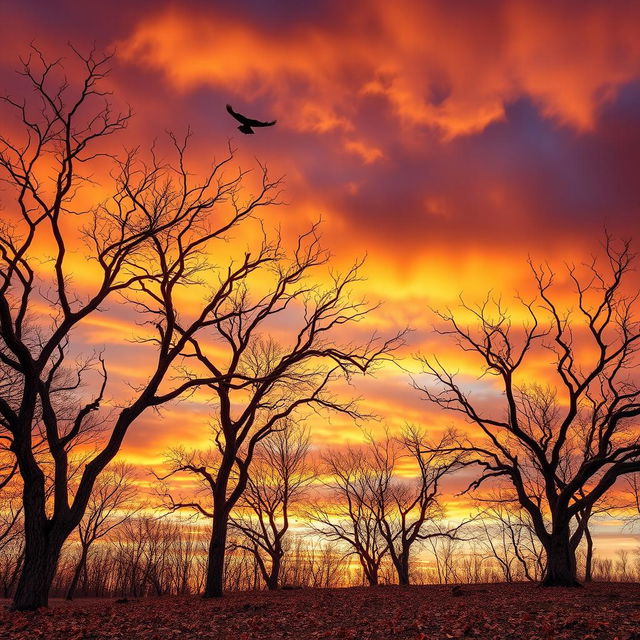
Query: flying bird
point(247, 123)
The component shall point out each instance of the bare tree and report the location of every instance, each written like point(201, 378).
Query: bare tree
point(310, 562)
point(149, 241)
point(510, 540)
point(409, 511)
point(155, 556)
point(368, 493)
point(560, 447)
point(446, 555)
point(279, 476)
point(605, 506)
point(263, 383)
point(111, 505)
point(350, 513)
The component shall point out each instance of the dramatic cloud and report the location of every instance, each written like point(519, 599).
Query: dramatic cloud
point(448, 141)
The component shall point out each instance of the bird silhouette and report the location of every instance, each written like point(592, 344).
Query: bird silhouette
point(247, 123)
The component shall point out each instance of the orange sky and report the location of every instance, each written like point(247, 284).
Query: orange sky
point(446, 140)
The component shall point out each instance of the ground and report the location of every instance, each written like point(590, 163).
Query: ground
point(519, 611)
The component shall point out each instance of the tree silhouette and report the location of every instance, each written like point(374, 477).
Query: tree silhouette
point(374, 511)
point(279, 477)
point(350, 514)
point(559, 446)
point(111, 505)
point(260, 384)
point(509, 538)
point(148, 241)
point(409, 511)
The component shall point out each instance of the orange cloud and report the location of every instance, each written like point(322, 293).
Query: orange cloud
point(436, 65)
point(367, 153)
point(445, 140)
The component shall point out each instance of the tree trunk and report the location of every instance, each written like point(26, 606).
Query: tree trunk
point(402, 569)
point(588, 563)
point(42, 547)
point(214, 586)
point(76, 574)
point(274, 574)
point(561, 560)
point(39, 568)
point(371, 574)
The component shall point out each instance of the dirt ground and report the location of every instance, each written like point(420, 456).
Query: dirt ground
point(517, 611)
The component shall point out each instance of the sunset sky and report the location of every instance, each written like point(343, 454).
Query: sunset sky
point(446, 141)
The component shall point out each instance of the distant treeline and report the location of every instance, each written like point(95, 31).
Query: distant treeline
point(148, 556)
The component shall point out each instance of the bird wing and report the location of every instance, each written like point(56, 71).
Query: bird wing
point(238, 116)
point(259, 123)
